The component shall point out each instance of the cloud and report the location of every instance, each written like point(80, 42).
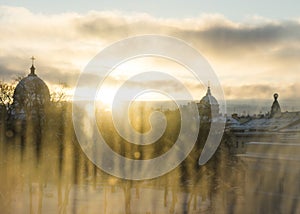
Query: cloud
point(7, 73)
point(251, 57)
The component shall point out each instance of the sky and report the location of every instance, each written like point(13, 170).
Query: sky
point(253, 46)
point(233, 9)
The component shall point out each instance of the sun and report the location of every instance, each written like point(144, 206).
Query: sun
point(106, 95)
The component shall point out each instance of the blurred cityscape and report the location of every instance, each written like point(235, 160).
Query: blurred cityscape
point(44, 170)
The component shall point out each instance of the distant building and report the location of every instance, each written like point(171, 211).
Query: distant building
point(275, 126)
point(208, 107)
point(31, 97)
point(275, 109)
point(269, 147)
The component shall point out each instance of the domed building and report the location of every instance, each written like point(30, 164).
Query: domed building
point(208, 107)
point(30, 98)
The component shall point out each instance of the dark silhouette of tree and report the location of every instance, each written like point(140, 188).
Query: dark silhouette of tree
point(58, 94)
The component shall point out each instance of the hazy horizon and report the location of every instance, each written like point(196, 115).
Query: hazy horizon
point(239, 106)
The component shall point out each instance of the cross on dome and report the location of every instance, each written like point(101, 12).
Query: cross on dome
point(32, 59)
point(32, 69)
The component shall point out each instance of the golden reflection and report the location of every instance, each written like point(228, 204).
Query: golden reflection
point(43, 170)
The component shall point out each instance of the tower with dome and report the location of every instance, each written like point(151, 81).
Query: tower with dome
point(31, 97)
point(208, 107)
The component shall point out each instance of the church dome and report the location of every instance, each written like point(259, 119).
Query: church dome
point(208, 99)
point(208, 107)
point(30, 96)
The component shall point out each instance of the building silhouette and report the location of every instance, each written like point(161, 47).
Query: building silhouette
point(275, 109)
point(208, 107)
point(31, 97)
